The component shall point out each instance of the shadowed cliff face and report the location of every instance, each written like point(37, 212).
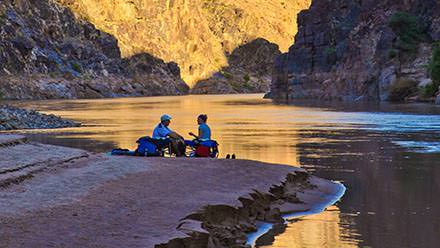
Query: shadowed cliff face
point(344, 50)
point(249, 70)
point(194, 33)
point(45, 52)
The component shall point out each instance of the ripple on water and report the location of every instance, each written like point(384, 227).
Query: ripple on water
point(420, 146)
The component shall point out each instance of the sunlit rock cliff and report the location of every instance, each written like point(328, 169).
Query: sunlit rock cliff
point(45, 52)
point(363, 50)
point(196, 34)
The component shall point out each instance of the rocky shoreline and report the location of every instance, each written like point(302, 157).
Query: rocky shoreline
point(12, 118)
point(83, 199)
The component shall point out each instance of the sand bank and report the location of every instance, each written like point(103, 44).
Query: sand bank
point(61, 197)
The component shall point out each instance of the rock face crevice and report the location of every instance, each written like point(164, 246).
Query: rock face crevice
point(344, 50)
point(46, 52)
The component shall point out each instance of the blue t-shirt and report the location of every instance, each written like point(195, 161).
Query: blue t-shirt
point(161, 132)
point(204, 132)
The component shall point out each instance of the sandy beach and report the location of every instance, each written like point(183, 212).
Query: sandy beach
point(55, 196)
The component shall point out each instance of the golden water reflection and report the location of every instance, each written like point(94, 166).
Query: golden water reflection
point(259, 132)
point(321, 230)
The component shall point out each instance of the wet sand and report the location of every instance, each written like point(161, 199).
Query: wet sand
point(95, 200)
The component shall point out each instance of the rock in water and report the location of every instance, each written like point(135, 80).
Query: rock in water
point(12, 118)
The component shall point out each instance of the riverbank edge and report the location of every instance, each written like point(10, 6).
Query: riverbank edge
point(272, 230)
point(222, 226)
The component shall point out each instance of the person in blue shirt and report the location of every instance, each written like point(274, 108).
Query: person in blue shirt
point(162, 130)
point(203, 139)
point(164, 136)
point(204, 130)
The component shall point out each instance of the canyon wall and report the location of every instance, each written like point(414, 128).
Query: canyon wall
point(45, 52)
point(197, 34)
point(349, 50)
point(249, 70)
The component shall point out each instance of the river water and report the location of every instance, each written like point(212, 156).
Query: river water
point(388, 156)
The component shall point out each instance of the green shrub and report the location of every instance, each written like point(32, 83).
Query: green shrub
point(330, 53)
point(403, 87)
point(2, 19)
point(235, 85)
point(248, 86)
point(76, 67)
point(227, 75)
point(429, 91)
point(247, 78)
point(409, 32)
point(392, 53)
point(434, 64)
point(434, 72)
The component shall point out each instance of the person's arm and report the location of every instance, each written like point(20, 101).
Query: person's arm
point(196, 136)
point(175, 135)
point(192, 134)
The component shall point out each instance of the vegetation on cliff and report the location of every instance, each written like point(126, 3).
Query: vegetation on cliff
point(434, 71)
point(409, 32)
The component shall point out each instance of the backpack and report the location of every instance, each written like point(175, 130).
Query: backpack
point(147, 147)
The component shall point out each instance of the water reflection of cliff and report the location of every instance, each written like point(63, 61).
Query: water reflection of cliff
point(391, 199)
point(321, 230)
